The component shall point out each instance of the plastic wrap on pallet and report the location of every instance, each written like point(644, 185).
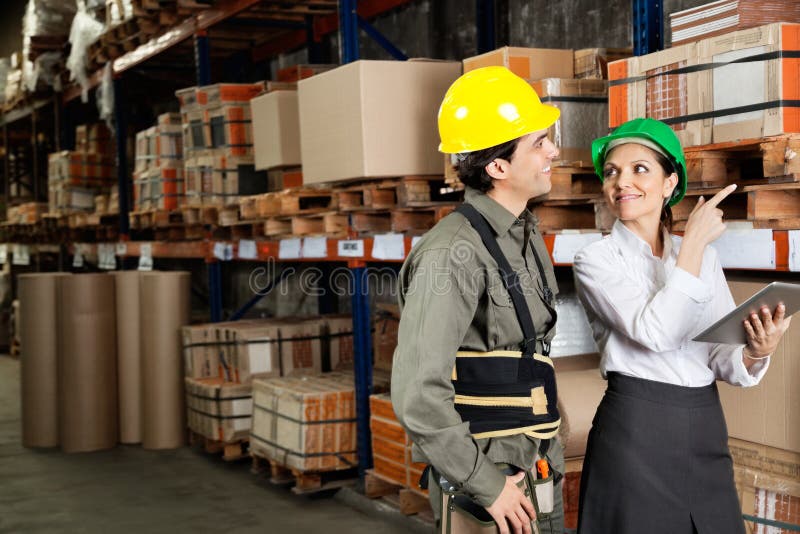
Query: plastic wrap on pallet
point(45, 69)
point(5, 67)
point(573, 335)
point(85, 30)
point(48, 17)
point(119, 11)
point(105, 97)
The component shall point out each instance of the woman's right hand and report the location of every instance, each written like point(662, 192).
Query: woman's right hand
point(703, 228)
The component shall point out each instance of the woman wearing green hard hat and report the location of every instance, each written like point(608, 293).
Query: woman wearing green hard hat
point(657, 459)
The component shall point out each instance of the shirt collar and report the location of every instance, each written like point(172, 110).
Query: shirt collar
point(500, 219)
point(633, 243)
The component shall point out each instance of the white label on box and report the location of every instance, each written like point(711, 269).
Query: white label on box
point(77, 259)
point(289, 249)
point(247, 249)
point(259, 357)
point(351, 248)
point(567, 245)
point(730, 92)
point(746, 249)
point(21, 255)
point(122, 249)
point(223, 251)
point(315, 247)
point(242, 407)
point(146, 257)
point(388, 247)
point(415, 240)
point(106, 257)
point(3, 254)
point(794, 250)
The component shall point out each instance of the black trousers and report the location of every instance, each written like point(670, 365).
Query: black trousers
point(657, 461)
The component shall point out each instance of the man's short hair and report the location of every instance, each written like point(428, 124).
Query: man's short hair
point(472, 165)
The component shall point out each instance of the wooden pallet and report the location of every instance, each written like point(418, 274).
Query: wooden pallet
point(302, 482)
point(407, 191)
point(574, 182)
point(231, 451)
point(418, 220)
point(566, 214)
point(407, 500)
point(775, 206)
point(277, 226)
point(306, 201)
point(770, 160)
point(331, 224)
point(200, 214)
point(156, 218)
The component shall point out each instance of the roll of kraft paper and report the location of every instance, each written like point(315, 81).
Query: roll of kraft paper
point(164, 310)
point(87, 363)
point(129, 361)
point(38, 320)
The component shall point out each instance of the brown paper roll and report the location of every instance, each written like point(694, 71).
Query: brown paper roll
point(579, 394)
point(164, 310)
point(129, 361)
point(87, 363)
point(38, 330)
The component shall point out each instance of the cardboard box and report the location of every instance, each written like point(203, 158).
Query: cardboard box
point(228, 128)
point(584, 114)
point(254, 350)
point(187, 98)
point(391, 446)
point(213, 95)
point(276, 129)
point(200, 359)
point(592, 63)
point(528, 63)
point(218, 410)
point(166, 187)
point(306, 423)
point(384, 339)
point(198, 177)
point(372, 119)
point(644, 86)
point(234, 177)
point(301, 346)
point(339, 347)
point(295, 73)
point(280, 179)
point(769, 413)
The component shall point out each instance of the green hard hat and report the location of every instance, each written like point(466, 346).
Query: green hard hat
point(656, 132)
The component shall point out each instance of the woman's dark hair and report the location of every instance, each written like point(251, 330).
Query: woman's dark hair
point(669, 167)
point(472, 168)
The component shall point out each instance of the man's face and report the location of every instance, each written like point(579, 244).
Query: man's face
point(529, 169)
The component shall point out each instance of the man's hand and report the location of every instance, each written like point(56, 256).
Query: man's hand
point(513, 508)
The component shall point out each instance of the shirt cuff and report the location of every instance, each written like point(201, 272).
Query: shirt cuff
point(485, 484)
point(690, 285)
point(752, 377)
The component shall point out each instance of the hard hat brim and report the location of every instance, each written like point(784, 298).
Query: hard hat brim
point(546, 117)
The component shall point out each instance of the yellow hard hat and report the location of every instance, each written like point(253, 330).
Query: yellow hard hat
point(488, 106)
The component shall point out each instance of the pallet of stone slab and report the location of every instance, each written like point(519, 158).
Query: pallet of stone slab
point(775, 206)
point(306, 423)
point(220, 413)
point(402, 192)
point(391, 446)
point(302, 482)
point(574, 182)
point(771, 160)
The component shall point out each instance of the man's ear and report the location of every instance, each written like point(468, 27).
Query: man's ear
point(497, 169)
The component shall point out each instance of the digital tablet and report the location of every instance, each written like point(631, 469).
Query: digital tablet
point(730, 330)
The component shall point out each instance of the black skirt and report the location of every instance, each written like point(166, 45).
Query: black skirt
point(657, 461)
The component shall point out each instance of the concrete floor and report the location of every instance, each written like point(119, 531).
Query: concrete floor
point(128, 489)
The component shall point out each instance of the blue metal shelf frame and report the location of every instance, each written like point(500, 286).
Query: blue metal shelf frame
point(202, 58)
point(362, 358)
point(348, 31)
point(123, 180)
point(484, 16)
point(648, 26)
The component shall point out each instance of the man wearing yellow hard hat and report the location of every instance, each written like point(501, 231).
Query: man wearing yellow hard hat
point(472, 382)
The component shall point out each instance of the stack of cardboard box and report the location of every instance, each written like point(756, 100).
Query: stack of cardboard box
point(76, 177)
point(158, 172)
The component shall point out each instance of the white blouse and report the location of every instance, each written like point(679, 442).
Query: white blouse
point(644, 312)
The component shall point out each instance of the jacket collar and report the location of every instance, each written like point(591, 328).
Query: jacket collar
point(631, 242)
point(500, 219)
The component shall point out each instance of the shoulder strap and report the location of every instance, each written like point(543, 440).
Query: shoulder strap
point(509, 276)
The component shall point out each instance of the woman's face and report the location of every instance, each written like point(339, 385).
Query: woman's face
point(635, 185)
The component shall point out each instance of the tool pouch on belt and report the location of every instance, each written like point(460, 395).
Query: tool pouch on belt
point(461, 515)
